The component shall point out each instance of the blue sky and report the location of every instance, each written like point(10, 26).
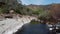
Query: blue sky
point(39, 2)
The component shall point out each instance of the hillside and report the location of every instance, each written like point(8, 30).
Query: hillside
point(53, 8)
point(7, 5)
point(18, 8)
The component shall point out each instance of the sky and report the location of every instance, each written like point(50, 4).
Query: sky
point(39, 2)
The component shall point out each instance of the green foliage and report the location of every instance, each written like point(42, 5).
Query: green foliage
point(38, 11)
point(17, 11)
point(28, 9)
point(34, 22)
point(21, 9)
point(45, 13)
point(0, 10)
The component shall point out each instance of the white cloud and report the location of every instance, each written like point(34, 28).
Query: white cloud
point(32, 1)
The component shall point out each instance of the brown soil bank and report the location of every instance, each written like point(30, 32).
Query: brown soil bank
point(55, 11)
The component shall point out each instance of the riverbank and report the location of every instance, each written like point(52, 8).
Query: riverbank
point(8, 26)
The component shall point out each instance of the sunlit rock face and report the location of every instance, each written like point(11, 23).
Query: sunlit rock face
point(9, 26)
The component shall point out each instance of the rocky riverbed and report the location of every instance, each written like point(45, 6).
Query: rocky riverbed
point(9, 26)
